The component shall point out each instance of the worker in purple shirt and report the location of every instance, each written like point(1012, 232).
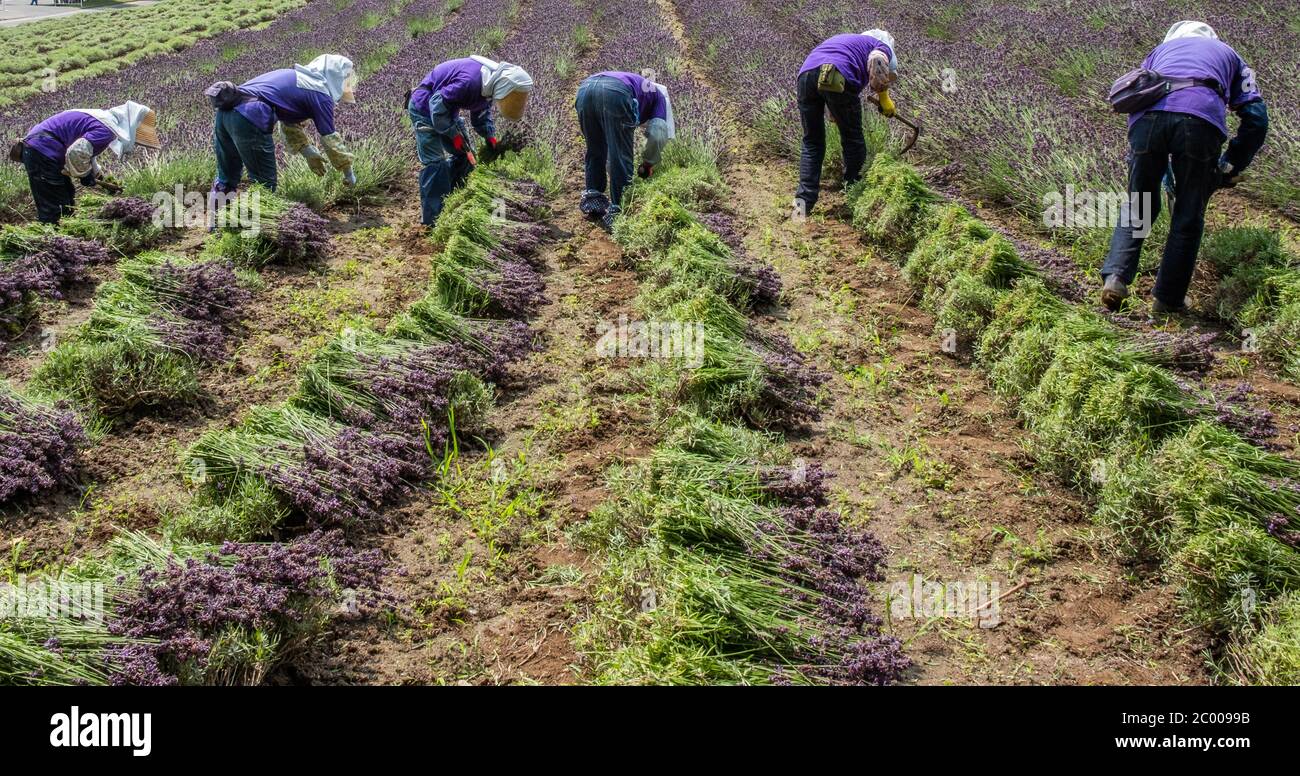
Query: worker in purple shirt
point(610, 107)
point(65, 146)
point(474, 84)
point(1189, 127)
point(833, 78)
point(242, 133)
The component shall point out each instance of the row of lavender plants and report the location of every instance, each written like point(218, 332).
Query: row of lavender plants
point(721, 561)
point(1182, 475)
point(41, 435)
point(750, 578)
point(372, 408)
point(149, 612)
point(149, 333)
point(376, 410)
point(373, 414)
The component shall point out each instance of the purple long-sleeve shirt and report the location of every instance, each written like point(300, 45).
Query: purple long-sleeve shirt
point(849, 53)
point(63, 130)
point(280, 98)
point(459, 81)
point(649, 100)
point(1204, 58)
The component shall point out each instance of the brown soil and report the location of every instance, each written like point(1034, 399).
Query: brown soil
point(562, 418)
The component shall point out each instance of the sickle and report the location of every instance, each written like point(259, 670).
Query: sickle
point(916, 128)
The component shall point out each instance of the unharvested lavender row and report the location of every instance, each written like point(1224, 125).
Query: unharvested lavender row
point(1022, 117)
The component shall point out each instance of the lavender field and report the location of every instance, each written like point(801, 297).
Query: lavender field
point(895, 440)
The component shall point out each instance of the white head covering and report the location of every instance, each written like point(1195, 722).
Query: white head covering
point(502, 78)
point(1190, 30)
point(327, 74)
point(668, 111)
point(888, 40)
point(124, 120)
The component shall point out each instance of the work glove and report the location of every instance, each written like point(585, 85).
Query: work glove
point(887, 107)
point(314, 160)
point(491, 149)
point(349, 178)
point(461, 147)
point(645, 170)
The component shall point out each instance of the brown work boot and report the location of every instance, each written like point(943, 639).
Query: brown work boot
point(1114, 293)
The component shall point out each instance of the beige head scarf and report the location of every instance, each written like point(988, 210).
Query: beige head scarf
point(328, 74)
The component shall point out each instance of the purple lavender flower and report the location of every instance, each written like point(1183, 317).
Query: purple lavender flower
point(39, 444)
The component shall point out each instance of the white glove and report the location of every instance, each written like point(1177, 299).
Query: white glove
point(349, 178)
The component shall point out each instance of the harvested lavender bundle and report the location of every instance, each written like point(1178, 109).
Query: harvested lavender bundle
point(148, 335)
point(791, 379)
point(261, 227)
point(329, 472)
point(207, 291)
point(299, 234)
point(124, 224)
point(489, 346)
point(188, 617)
point(38, 445)
point(1233, 409)
point(473, 281)
point(399, 387)
point(36, 263)
point(800, 484)
point(132, 212)
point(1186, 351)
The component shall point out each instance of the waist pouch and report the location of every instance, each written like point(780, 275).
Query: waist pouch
point(830, 79)
point(16, 150)
point(1139, 89)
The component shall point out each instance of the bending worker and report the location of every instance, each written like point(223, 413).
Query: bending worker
point(247, 115)
point(1188, 125)
point(610, 107)
point(64, 147)
point(832, 78)
point(472, 84)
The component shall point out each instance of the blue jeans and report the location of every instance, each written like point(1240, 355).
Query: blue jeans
point(846, 109)
point(1193, 144)
point(239, 144)
point(53, 191)
point(444, 170)
point(608, 117)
